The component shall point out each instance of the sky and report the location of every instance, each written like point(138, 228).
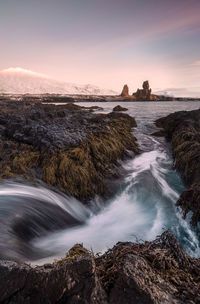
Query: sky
point(105, 42)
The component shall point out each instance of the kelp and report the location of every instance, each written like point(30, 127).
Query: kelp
point(74, 252)
point(183, 130)
point(167, 263)
point(80, 171)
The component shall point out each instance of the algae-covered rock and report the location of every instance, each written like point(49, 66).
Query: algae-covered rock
point(183, 130)
point(65, 146)
point(76, 251)
point(119, 109)
point(153, 272)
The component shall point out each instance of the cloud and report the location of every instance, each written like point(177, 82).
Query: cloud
point(196, 63)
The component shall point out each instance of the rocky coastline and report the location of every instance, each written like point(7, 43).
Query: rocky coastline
point(66, 146)
point(152, 272)
point(77, 150)
point(182, 129)
point(141, 95)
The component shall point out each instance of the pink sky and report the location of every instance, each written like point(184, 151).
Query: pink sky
point(106, 43)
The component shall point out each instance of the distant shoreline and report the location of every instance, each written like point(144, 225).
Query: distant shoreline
point(70, 98)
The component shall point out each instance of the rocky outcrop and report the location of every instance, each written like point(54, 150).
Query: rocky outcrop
point(119, 109)
point(125, 91)
point(152, 272)
point(66, 146)
point(183, 130)
point(143, 94)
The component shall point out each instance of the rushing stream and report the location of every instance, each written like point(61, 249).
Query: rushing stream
point(39, 224)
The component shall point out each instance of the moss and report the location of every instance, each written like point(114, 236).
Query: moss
point(19, 161)
point(183, 129)
point(25, 160)
point(79, 171)
point(74, 252)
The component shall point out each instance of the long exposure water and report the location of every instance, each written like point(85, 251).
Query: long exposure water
point(142, 208)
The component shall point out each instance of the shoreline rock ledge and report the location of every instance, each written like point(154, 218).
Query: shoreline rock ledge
point(182, 129)
point(66, 146)
point(157, 272)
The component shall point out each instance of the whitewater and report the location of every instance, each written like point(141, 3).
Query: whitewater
point(142, 208)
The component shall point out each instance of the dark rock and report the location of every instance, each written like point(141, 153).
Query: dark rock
point(95, 108)
point(153, 272)
point(119, 109)
point(183, 130)
point(65, 146)
point(190, 201)
point(146, 85)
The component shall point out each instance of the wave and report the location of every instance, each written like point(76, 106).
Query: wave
point(37, 223)
point(28, 212)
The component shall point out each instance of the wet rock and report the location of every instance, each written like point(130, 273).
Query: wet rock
point(66, 146)
point(95, 108)
point(152, 272)
point(76, 251)
point(119, 109)
point(190, 201)
point(183, 130)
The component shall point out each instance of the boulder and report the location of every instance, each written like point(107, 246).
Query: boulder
point(141, 273)
point(119, 109)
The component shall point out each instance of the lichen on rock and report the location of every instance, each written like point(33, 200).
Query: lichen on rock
point(76, 251)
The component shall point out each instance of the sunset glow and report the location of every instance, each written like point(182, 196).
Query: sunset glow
point(105, 43)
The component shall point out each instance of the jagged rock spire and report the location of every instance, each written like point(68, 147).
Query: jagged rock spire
point(145, 85)
point(125, 91)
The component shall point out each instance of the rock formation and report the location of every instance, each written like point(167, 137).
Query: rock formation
point(149, 273)
point(125, 91)
point(119, 109)
point(143, 94)
point(66, 146)
point(183, 130)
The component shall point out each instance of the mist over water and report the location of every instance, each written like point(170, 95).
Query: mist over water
point(39, 224)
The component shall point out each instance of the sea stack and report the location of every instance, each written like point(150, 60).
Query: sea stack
point(125, 91)
point(145, 93)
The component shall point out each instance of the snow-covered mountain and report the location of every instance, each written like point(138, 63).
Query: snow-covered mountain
point(21, 81)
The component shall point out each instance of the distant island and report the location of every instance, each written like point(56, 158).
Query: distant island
point(143, 94)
